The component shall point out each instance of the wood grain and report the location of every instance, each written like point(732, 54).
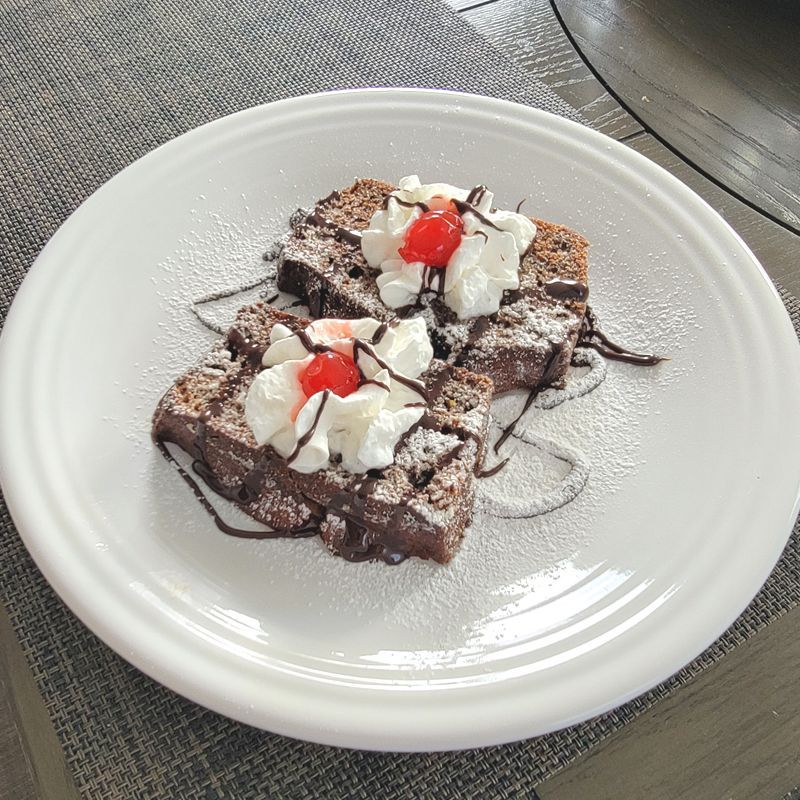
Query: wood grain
point(718, 80)
point(16, 777)
point(32, 763)
point(733, 733)
point(529, 33)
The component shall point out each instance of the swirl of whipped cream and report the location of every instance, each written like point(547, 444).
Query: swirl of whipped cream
point(485, 263)
point(363, 427)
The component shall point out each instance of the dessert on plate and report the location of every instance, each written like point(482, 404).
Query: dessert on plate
point(349, 428)
point(501, 294)
point(368, 425)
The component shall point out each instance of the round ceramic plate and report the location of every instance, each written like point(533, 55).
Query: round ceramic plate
point(682, 480)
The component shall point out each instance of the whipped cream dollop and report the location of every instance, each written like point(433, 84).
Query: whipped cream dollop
point(365, 426)
point(481, 268)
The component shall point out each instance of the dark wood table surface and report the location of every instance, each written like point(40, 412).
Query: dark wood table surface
point(718, 81)
point(711, 92)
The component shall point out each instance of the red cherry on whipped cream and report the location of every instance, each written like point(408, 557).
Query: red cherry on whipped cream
point(330, 370)
point(432, 238)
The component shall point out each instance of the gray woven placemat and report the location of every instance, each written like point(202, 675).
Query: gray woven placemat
point(87, 88)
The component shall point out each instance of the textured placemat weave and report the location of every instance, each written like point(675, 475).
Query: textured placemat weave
point(89, 86)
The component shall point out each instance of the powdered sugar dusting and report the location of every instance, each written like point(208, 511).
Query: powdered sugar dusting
point(499, 495)
point(217, 309)
point(426, 447)
point(589, 370)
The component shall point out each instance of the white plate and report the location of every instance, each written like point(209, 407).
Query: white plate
point(694, 466)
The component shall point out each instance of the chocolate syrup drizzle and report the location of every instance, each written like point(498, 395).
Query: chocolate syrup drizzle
point(405, 203)
point(567, 289)
point(466, 207)
point(351, 507)
point(310, 344)
point(309, 434)
point(591, 336)
point(201, 468)
point(548, 375)
point(361, 346)
point(381, 330)
point(476, 194)
point(239, 343)
point(340, 233)
point(373, 382)
point(429, 276)
point(487, 473)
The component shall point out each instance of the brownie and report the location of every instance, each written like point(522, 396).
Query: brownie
point(527, 343)
point(418, 506)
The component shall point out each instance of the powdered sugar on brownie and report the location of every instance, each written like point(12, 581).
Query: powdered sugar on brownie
point(425, 448)
point(528, 326)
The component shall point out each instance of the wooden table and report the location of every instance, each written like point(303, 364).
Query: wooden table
point(734, 732)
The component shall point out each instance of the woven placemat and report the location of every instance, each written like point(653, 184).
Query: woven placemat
point(89, 87)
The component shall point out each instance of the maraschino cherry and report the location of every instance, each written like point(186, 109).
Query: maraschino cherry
point(432, 238)
point(330, 370)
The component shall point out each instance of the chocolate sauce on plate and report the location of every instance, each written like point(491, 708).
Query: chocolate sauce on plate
point(487, 473)
point(203, 470)
point(591, 336)
point(550, 369)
